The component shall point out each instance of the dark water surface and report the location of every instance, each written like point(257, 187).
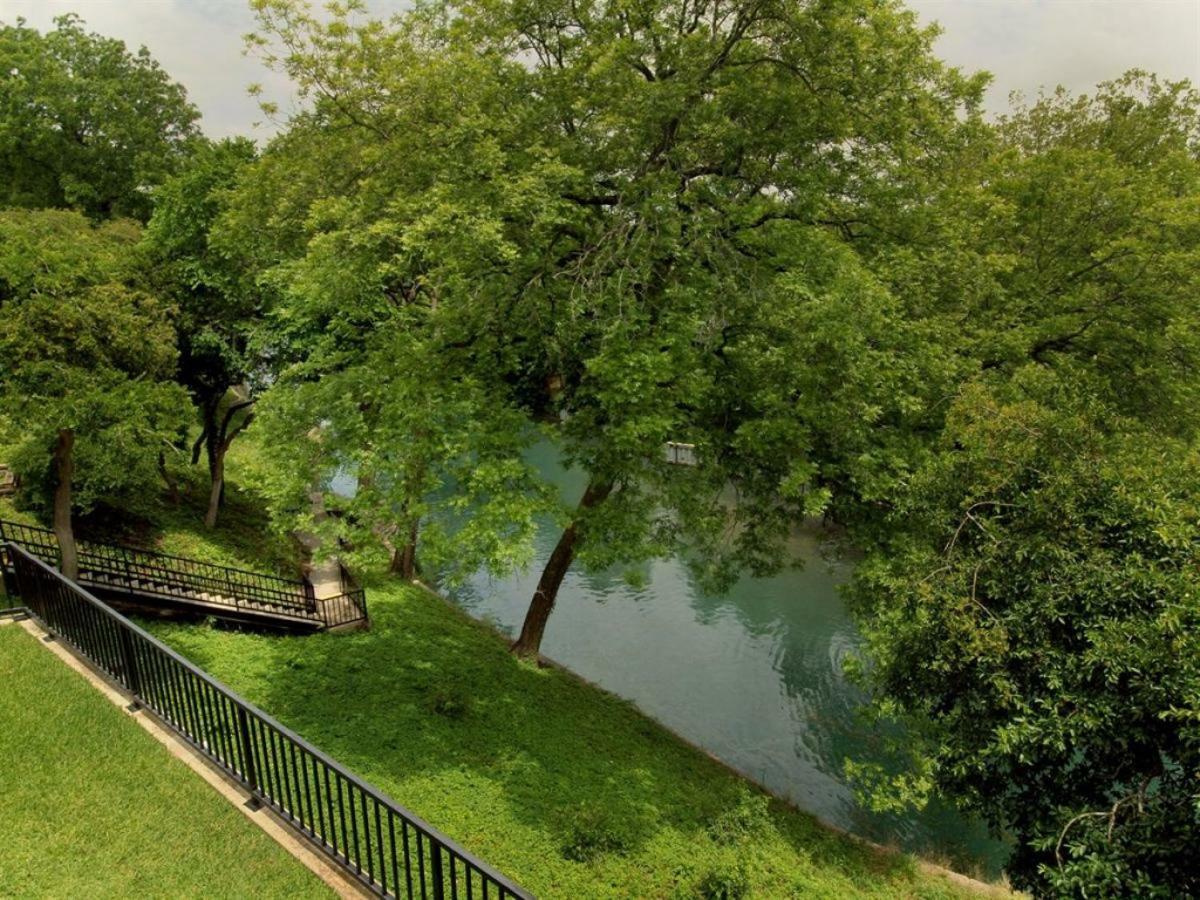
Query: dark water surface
point(754, 676)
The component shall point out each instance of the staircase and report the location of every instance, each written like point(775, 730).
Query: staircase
point(159, 583)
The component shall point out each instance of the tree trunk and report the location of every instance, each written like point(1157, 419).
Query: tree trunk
point(529, 644)
point(216, 468)
point(208, 426)
point(168, 479)
point(64, 469)
point(404, 559)
point(217, 439)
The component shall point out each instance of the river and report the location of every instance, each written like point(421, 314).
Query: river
point(753, 676)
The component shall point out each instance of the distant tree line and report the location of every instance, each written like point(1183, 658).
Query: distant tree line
point(782, 233)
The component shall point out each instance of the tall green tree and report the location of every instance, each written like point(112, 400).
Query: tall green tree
point(435, 459)
point(1030, 599)
point(1034, 621)
point(599, 207)
point(84, 123)
point(217, 305)
point(86, 362)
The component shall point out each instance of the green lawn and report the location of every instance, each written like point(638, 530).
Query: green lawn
point(567, 789)
point(93, 806)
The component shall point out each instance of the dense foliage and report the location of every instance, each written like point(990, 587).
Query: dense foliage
point(614, 220)
point(780, 233)
point(217, 304)
point(85, 361)
point(85, 123)
point(1032, 598)
point(1036, 617)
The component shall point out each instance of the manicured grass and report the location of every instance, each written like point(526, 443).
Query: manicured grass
point(92, 806)
point(530, 767)
point(562, 786)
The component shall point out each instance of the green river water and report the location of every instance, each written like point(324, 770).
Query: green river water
point(753, 676)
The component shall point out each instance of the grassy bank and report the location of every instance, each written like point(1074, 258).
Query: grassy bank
point(564, 787)
point(94, 807)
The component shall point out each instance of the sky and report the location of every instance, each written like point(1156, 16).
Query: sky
point(1025, 44)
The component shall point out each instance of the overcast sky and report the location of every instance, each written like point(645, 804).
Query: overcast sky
point(1024, 43)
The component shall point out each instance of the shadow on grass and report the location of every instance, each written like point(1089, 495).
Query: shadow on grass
point(522, 765)
point(243, 537)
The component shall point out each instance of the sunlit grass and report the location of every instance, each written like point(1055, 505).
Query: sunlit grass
point(94, 807)
point(525, 765)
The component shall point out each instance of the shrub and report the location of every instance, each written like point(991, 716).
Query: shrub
point(745, 820)
point(591, 832)
point(450, 701)
point(726, 879)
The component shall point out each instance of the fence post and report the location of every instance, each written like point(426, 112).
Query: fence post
point(248, 770)
point(435, 869)
point(132, 675)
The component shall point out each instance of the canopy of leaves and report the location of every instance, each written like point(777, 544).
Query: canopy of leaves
point(1031, 599)
point(1039, 614)
point(428, 451)
point(211, 290)
point(610, 217)
point(84, 123)
point(81, 349)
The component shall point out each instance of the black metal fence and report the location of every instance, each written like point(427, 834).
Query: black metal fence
point(148, 573)
point(381, 844)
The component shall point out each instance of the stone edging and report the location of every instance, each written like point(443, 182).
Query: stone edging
point(273, 825)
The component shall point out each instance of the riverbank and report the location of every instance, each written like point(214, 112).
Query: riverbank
point(567, 788)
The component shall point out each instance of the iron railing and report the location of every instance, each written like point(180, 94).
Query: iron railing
point(382, 845)
point(145, 573)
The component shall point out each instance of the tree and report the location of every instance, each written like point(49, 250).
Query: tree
point(217, 304)
point(1029, 597)
point(436, 460)
point(85, 123)
point(1035, 621)
point(597, 207)
point(85, 362)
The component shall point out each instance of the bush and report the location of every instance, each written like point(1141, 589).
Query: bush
point(591, 832)
point(747, 819)
point(726, 879)
point(450, 701)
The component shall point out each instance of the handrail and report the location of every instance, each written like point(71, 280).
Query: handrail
point(284, 587)
point(140, 571)
point(387, 848)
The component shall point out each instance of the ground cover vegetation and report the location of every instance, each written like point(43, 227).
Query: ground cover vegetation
point(564, 787)
point(130, 821)
point(781, 233)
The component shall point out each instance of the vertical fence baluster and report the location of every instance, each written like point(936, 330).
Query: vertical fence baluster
point(342, 815)
point(379, 847)
point(312, 820)
point(435, 870)
point(407, 858)
point(329, 805)
point(368, 848)
point(354, 828)
point(391, 816)
point(133, 678)
point(421, 862)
